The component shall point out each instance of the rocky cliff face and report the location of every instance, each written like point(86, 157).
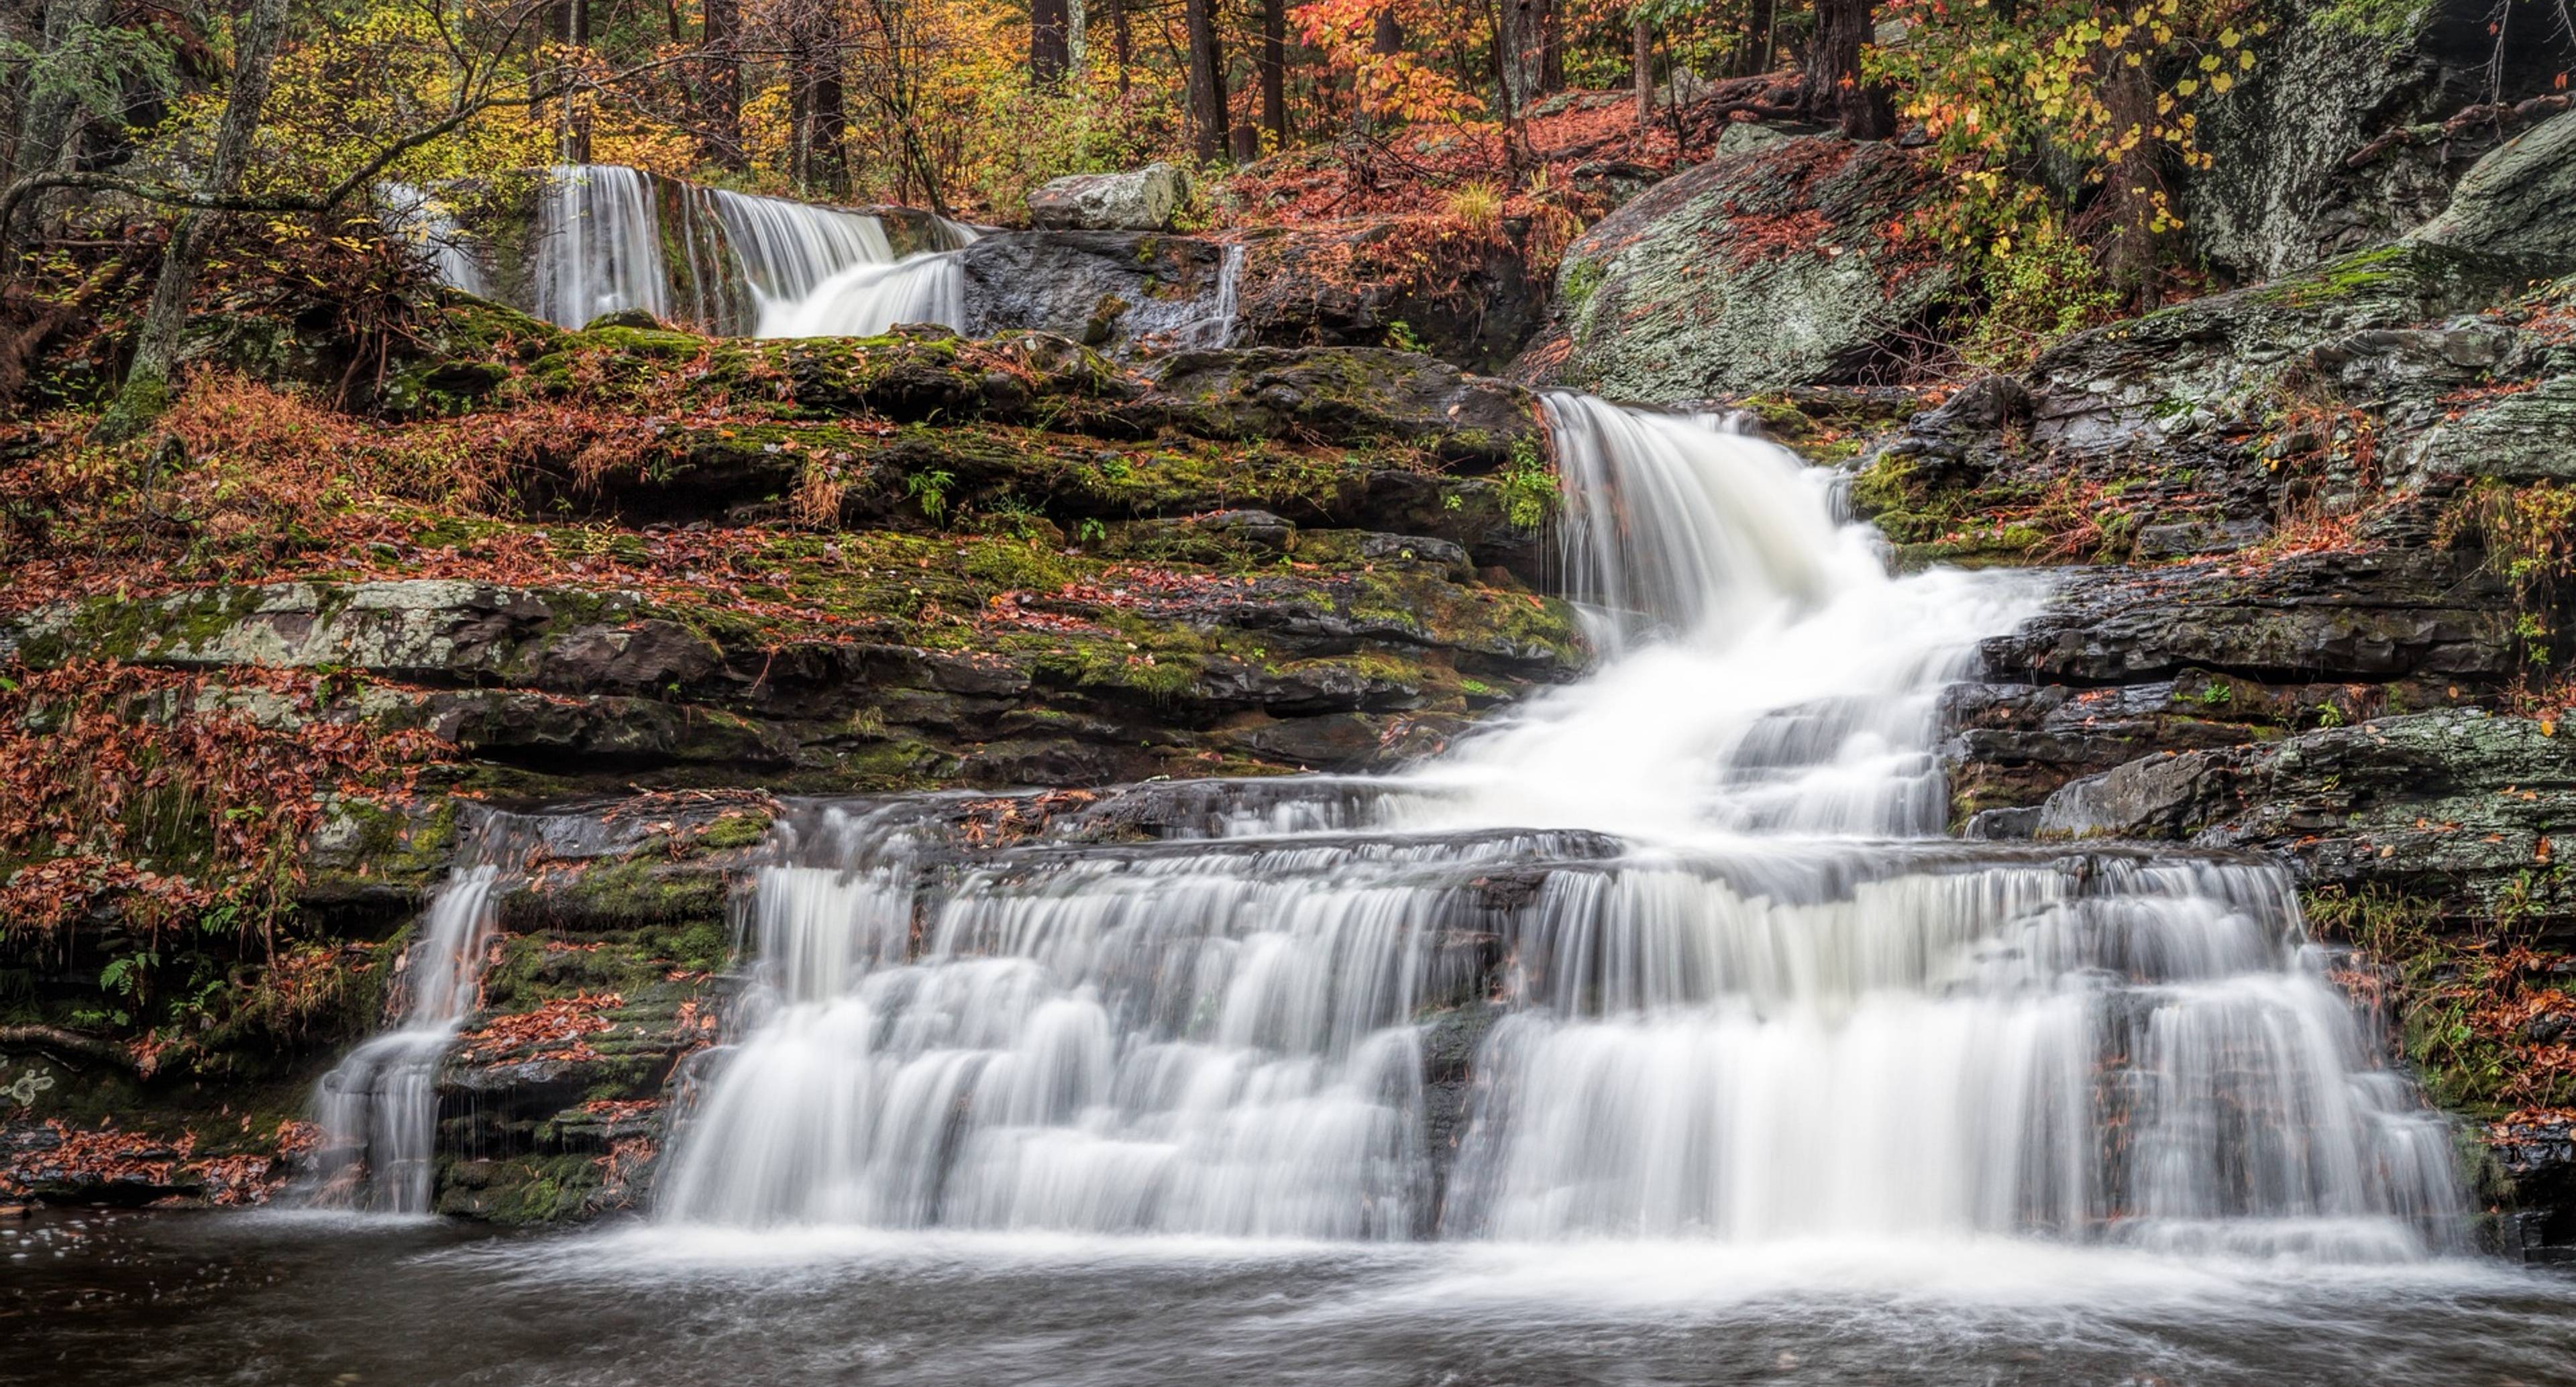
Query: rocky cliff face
point(2321, 614)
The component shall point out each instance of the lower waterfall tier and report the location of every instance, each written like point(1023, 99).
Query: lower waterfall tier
point(1542, 1036)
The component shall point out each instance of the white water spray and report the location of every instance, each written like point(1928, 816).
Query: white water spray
point(1777, 1005)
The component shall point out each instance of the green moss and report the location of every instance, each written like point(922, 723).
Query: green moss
point(1581, 279)
point(741, 829)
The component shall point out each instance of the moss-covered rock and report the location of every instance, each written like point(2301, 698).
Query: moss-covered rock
point(1781, 266)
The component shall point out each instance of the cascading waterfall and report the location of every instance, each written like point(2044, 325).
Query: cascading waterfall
point(610, 238)
point(378, 1109)
point(1677, 951)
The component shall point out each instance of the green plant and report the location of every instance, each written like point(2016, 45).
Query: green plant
point(2036, 287)
point(1528, 486)
point(1479, 205)
point(930, 489)
point(1399, 337)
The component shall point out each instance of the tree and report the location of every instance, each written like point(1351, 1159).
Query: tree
point(1641, 47)
point(818, 159)
point(1753, 54)
point(1835, 88)
point(1274, 69)
point(720, 79)
point(1206, 80)
point(82, 64)
point(1531, 59)
point(146, 391)
point(1050, 41)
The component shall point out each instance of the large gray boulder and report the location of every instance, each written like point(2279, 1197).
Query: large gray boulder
point(2519, 203)
point(1144, 199)
point(1782, 265)
point(1110, 290)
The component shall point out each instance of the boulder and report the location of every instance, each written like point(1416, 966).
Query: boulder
point(2519, 203)
point(1787, 264)
point(1276, 393)
point(1143, 199)
point(1109, 290)
point(1430, 283)
point(2359, 616)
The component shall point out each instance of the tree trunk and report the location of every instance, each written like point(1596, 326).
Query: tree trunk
point(2133, 188)
point(573, 141)
point(1120, 42)
point(1833, 89)
point(146, 392)
point(723, 83)
point(1754, 54)
point(1531, 65)
point(1050, 41)
point(1274, 69)
point(1207, 80)
point(831, 160)
point(1642, 45)
point(45, 143)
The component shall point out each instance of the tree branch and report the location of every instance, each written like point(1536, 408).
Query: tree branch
point(466, 109)
point(68, 1045)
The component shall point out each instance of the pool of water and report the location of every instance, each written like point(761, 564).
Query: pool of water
point(142, 1300)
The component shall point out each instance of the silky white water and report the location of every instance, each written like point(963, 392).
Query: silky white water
point(378, 1109)
point(1677, 951)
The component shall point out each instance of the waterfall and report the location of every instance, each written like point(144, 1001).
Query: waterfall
point(1215, 328)
point(422, 218)
point(609, 238)
point(378, 1110)
point(599, 232)
point(1679, 951)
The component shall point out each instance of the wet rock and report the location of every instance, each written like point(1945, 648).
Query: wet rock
point(2182, 539)
point(2457, 808)
point(2340, 139)
point(1109, 290)
point(1425, 283)
point(2519, 438)
point(1757, 270)
point(2518, 204)
point(1143, 199)
point(1272, 392)
point(2153, 797)
point(2370, 616)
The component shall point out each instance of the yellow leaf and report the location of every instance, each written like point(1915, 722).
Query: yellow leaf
point(2221, 82)
point(2187, 86)
point(2209, 62)
point(2229, 38)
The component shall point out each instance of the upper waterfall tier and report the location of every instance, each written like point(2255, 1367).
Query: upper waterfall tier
point(598, 238)
point(1674, 952)
point(593, 239)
